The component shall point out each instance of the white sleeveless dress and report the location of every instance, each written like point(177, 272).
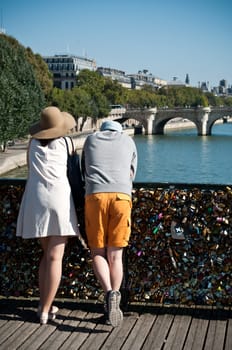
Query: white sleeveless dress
point(47, 207)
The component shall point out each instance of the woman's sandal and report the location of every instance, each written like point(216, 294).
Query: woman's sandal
point(44, 317)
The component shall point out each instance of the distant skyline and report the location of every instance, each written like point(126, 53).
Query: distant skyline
point(167, 38)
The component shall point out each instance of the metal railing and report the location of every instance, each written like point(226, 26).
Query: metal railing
point(180, 249)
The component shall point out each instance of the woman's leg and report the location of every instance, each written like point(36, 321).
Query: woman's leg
point(42, 267)
point(50, 269)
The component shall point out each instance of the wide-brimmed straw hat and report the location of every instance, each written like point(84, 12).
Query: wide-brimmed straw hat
point(53, 123)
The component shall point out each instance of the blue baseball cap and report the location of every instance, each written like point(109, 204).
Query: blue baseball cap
point(111, 125)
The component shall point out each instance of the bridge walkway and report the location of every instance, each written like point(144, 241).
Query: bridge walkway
point(80, 325)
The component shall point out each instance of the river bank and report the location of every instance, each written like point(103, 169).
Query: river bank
point(15, 156)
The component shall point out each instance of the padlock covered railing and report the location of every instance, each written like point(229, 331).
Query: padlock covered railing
point(180, 249)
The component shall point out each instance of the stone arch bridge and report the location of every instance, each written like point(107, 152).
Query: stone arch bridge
point(153, 120)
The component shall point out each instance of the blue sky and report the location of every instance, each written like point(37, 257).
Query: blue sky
point(168, 38)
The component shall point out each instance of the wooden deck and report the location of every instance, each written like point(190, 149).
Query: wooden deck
point(81, 326)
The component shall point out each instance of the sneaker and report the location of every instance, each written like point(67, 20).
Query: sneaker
point(115, 315)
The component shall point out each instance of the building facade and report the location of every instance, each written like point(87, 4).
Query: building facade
point(142, 78)
point(132, 81)
point(115, 74)
point(65, 69)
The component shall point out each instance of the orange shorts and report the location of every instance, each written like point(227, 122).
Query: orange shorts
point(108, 219)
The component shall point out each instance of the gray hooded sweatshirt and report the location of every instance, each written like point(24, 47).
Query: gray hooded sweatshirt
point(109, 162)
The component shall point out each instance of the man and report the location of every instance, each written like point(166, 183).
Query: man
point(109, 163)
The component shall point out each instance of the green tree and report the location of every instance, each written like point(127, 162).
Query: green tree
point(80, 104)
point(21, 97)
point(213, 100)
point(76, 101)
point(184, 96)
point(227, 101)
point(94, 85)
point(114, 92)
point(42, 73)
point(57, 98)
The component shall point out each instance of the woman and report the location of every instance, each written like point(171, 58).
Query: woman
point(47, 210)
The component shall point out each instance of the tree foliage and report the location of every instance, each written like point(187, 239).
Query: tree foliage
point(42, 73)
point(115, 92)
point(76, 101)
point(21, 97)
point(184, 97)
point(94, 85)
point(228, 101)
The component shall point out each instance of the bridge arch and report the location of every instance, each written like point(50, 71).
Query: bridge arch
point(214, 116)
point(154, 120)
point(160, 127)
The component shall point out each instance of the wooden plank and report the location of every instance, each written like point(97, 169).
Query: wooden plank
point(139, 333)
point(97, 337)
point(198, 328)
point(37, 338)
point(228, 340)
point(178, 332)
point(157, 336)
point(8, 329)
point(2, 322)
point(216, 334)
point(118, 336)
point(196, 335)
point(64, 330)
point(42, 333)
point(82, 332)
point(19, 336)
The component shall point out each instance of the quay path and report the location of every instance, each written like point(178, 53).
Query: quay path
point(80, 325)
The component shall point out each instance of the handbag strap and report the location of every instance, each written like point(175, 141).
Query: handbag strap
point(67, 146)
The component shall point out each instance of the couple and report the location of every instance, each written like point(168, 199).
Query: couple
point(47, 212)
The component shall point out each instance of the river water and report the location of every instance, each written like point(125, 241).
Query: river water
point(181, 156)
